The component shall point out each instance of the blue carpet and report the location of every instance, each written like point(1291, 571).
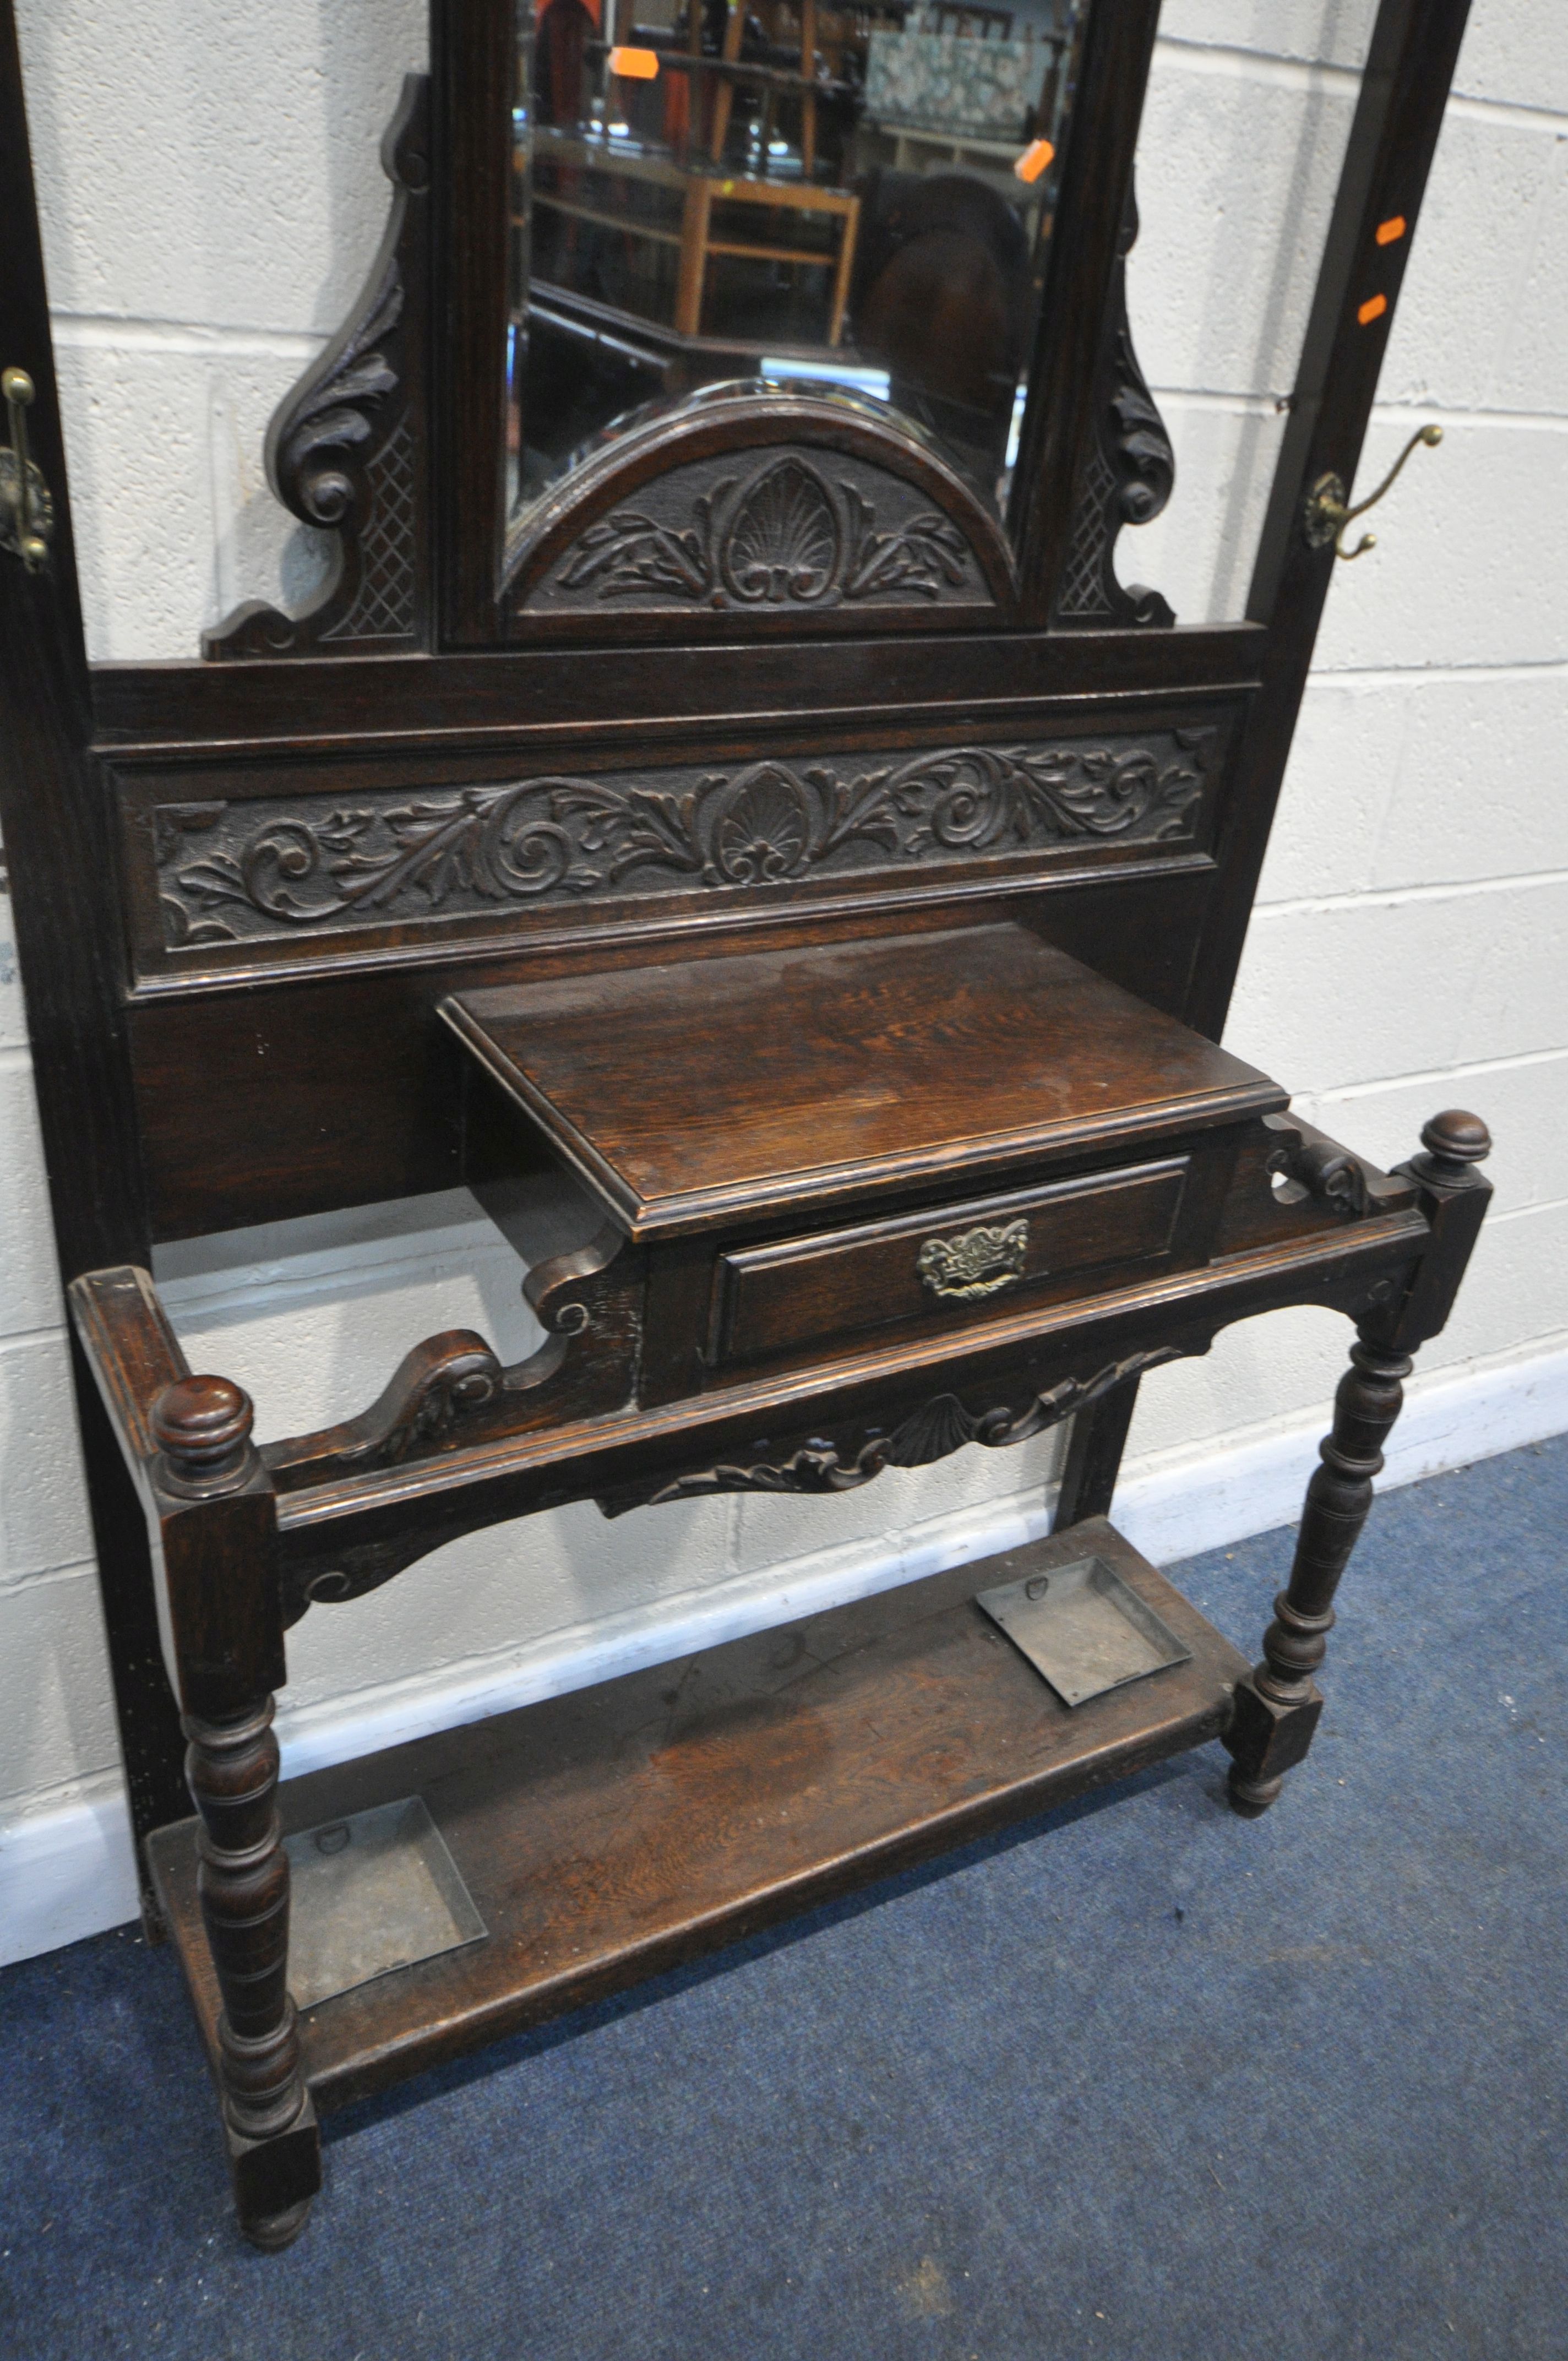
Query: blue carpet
point(1141, 2081)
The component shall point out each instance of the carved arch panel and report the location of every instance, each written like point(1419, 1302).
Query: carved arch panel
point(776, 510)
point(772, 505)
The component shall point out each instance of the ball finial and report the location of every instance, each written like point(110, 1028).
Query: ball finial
point(202, 1425)
point(1456, 1139)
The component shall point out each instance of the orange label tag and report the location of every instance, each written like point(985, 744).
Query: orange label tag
point(1373, 309)
point(1033, 160)
point(637, 65)
point(1392, 230)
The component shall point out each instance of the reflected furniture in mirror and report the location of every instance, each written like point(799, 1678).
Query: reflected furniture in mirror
point(725, 809)
point(753, 189)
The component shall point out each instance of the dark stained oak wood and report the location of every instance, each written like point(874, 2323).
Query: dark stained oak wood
point(59, 854)
point(472, 59)
point(237, 870)
point(611, 1833)
point(479, 696)
point(1278, 1704)
point(803, 1291)
point(222, 1617)
point(685, 1095)
point(349, 450)
point(859, 470)
point(1093, 1460)
point(346, 1090)
point(1277, 1707)
point(247, 895)
point(385, 1519)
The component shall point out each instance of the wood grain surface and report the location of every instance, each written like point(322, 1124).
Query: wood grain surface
point(684, 1093)
point(609, 1834)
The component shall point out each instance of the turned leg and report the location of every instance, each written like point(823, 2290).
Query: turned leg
point(242, 1881)
point(1276, 1710)
point(1277, 1707)
point(217, 1549)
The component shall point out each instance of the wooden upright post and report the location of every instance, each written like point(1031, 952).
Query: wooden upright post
point(217, 1535)
point(724, 94)
point(1277, 1709)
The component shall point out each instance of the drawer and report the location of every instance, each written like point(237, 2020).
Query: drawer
point(947, 1264)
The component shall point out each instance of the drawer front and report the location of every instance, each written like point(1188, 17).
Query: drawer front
point(947, 1265)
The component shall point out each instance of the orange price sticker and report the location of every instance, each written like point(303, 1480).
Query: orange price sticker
point(1033, 160)
point(1373, 309)
point(637, 65)
point(1390, 231)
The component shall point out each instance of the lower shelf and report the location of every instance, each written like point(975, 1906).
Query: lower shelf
point(609, 1834)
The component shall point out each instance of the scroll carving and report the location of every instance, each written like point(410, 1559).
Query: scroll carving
point(1128, 476)
point(243, 871)
point(934, 1431)
point(938, 1428)
point(1320, 1168)
point(345, 450)
point(452, 1391)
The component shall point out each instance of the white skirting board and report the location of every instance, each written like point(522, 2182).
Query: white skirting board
point(67, 1873)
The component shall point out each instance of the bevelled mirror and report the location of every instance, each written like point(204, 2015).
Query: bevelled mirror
point(803, 317)
point(690, 311)
point(781, 191)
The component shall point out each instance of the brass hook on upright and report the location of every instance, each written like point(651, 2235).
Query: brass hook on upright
point(1325, 515)
point(27, 509)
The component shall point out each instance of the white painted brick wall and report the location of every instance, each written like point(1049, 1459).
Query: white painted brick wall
point(211, 197)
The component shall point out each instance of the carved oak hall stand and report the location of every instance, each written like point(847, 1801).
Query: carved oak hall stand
point(733, 819)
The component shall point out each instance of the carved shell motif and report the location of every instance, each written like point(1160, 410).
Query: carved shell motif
point(784, 540)
point(763, 829)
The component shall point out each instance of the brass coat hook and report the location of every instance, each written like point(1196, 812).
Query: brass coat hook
point(1325, 516)
point(27, 509)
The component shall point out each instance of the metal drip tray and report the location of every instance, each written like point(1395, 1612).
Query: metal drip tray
point(371, 1893)
point(1083, 1628)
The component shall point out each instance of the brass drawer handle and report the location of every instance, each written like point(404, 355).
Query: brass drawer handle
point(980, 1262)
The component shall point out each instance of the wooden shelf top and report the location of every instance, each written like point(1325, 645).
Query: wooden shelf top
point(692, 1095)
point(622, 1829)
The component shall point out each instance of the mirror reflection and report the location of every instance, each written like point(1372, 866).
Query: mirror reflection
point(779, 190)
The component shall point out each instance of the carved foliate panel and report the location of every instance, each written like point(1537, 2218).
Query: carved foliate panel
point(260, 872)
point(773, 503)
point(792, 531)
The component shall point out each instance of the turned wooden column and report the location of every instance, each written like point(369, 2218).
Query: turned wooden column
point(217, 1535)
point(1276, 1712)
point(1276, 1708)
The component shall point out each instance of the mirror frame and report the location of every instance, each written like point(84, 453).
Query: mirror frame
point(473, 69)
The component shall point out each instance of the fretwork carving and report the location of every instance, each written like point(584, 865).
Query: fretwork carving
point(345, 450)
point(1127, 476)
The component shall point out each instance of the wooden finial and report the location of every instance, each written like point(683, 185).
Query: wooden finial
point(1453, 1140)
point(202, 1425)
